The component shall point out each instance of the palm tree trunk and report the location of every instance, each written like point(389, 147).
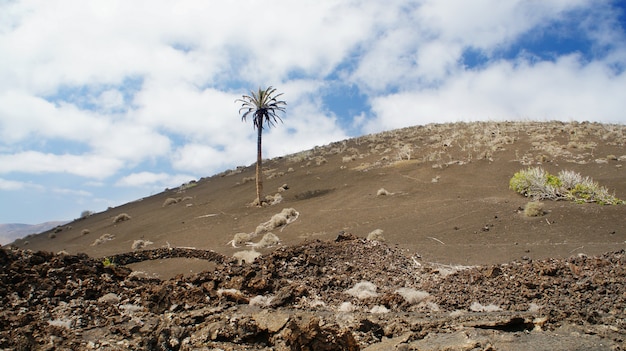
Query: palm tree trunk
point(259, 161)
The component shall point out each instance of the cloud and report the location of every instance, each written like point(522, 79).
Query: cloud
point(12, 185)
point(151, 179)
point(121, 93)
point(91, 166)
point(509, 90)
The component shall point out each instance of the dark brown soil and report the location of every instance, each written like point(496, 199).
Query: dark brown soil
point(495, 278)
point(347, 294)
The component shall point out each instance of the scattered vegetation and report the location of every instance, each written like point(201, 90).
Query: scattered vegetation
point(268, 240)
point(85, 214)
point(413, 296)
point(363, 290)
point(534, 209)
point(241, 239)
point(102, 239)
point(538, 184)
point(246, 256)
point(188, 185)
point(107, 262)
point(169, 201)
point(85, 232)
point(140, 244)
point(285, 217)
point(382, 192)
point(376, 235)
point(121, 218)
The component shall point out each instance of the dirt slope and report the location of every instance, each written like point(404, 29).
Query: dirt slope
point(457, 266)
point(448, 201)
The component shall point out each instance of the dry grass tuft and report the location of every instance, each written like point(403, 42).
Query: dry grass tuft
point(121, 218)
point(412, 296)
point(103, 239)
point(140, 244)
point(363, 290)
point(246, 256)
point(268, 240)
point(382, 192)
point(376, 235)
point(534, 209)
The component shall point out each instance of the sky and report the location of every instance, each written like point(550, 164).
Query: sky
point(103, 102)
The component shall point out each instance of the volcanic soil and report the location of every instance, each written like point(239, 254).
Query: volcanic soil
point(455, 263)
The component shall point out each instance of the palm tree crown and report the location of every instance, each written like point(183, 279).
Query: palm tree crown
point(264, 107)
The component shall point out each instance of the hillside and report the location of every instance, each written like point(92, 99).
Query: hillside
point(456, 265)
point(12, 231)
point(448, 197)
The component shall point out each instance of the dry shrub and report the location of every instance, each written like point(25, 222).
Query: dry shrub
point(534, 209)
point(376, 235)
point(103, 238)
point(363, 290)
point(121, 218)
point(240, 239)
point(412, 296)
point(261, 301)
point(85, 231)
point(246, 256)
point(268, 240)
point(286, 216)
point(170, 201)
point(274, 200)
point(382, 192)
point(140, 244)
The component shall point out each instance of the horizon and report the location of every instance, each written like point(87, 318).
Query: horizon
point(103, 103)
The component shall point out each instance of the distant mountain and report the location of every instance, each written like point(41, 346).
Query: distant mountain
point(11, 231)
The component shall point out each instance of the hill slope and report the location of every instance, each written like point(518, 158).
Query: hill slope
point(447, 201)
point(12, 231)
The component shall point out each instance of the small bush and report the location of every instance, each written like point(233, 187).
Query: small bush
point(103, 238)
point(363, 290)
point(85, 214)
point(376, 235)
point(170, 201)
point(240, 239)
point(382, 192)
point(567, 185)
point(534, 209)
point(140, 244)
point(247, 256)
point(121, 218)
point(412, 296)
point(268, 240)
point(85, 231)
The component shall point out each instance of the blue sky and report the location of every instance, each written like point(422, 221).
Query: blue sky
point(104, 102)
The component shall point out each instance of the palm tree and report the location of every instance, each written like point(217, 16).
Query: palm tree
point(264, 107)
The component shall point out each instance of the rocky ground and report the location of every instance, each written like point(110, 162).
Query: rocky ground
point(343, 294)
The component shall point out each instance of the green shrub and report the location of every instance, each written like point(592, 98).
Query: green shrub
point(538, 184)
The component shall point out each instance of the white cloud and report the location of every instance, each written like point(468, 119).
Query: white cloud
point(151, 179)
point(91, 166)
point(7, 184)
point(142, 91)
point(563, 90)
